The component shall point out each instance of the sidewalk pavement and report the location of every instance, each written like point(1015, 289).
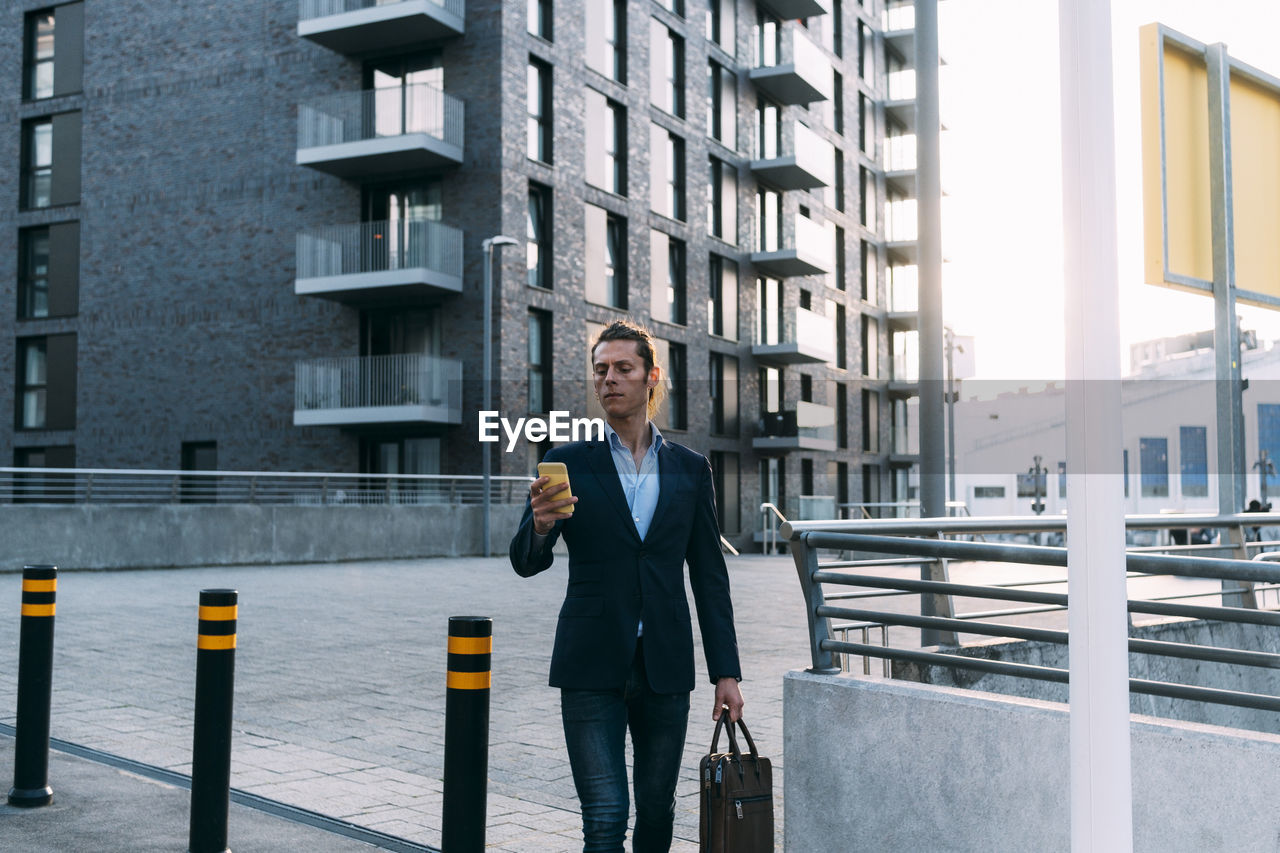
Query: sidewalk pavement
point(340, 697)
point(105, 810)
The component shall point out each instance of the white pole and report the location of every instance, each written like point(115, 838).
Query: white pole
point(1101, 793)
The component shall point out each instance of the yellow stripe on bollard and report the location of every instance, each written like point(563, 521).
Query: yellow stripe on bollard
point(468, 680)
point(38, 609)
point(470, 645)
point(211, 613)
point(30, 585)
point(216, 642)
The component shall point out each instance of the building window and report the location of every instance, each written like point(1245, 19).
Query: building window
point(33, 273)
point(606, 38)
point(44, 488)
point(37, 163)
point(864, 118)
point(723, 388)
point(606, 137)
point(837, 189)
point(842, 349)
point(865, 201)
point(1153, 459)
point(836, 28)
point(722, 107)
point(199, 456)
point(677, 386)
point(770, 390)
point(675, 206)
point(768, 131)
point(988, 491)
point(1195, 462)
point(606, 263)
point(726, 479)
point(870, 347)
point(720, 24)
point(867, 272)
point(676, 6)
point(538, 236)
point(666, 88)
point(806, 388)
point(768, 220)
point(48, 271)
point(676, 289)
point(837, 103)
point(722, 201)
point(870, 421)
point(539, 121)
point(722, 298)
point(840, 276)
point(53, 55)
point(33, 380)
point(767, 36)
point(666, 173)
point(842, 415)
point(540, 18)
point(864, 51)
point(539, 360)
point(768, 311)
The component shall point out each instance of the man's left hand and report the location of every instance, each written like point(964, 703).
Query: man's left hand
point(728, 693)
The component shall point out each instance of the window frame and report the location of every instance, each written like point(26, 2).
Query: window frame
point(538, 124)
point(539, 275)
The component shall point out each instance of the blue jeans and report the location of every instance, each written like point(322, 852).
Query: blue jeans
point(595, 729)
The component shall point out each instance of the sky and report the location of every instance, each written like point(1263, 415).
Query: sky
point(1002, 175)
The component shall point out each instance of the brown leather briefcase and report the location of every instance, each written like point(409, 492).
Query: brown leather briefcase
point(737, 797)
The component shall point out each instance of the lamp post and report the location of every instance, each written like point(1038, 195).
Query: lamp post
point(1265, 466)
point(487, 246)
point(949, 341)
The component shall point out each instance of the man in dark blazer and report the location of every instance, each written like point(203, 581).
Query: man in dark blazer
point(623, 654)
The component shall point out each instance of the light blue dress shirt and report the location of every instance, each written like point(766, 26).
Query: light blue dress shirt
point(640, 487)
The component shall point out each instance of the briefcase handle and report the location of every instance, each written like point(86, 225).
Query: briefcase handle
point(733, 741)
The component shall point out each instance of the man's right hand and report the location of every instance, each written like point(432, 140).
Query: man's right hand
point(546, 507)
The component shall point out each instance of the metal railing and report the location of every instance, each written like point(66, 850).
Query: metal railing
point(363, 247)
point(122, 486)
point(357, 382)
point(309, 9)
point(1241, 579)
point(795, 326)
point(772, 516)
point(377, 113)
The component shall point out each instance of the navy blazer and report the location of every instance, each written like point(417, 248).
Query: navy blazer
point(615, 579)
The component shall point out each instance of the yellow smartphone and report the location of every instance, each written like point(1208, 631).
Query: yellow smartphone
point(558, 474)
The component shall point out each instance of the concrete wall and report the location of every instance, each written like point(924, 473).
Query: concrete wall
point(887, 766)
point(1228, 635)
point(124, 537)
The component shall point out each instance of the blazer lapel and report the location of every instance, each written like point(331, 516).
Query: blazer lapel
point(669, 480)
point(601, 461)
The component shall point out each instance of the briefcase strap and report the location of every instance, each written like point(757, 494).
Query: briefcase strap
point(733, 741)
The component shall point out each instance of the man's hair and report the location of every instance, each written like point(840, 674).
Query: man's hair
point(626, 330)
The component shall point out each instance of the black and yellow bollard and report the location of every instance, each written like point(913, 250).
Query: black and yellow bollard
point(211, 748)
point(466, 733)
point(35, 688)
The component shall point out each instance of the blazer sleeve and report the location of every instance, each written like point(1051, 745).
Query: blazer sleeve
point(528, 556)
point(709, 579)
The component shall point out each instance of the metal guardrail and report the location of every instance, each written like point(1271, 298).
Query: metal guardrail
point(904, 537)
point(309, 9)
point(363, 247)
point(117, 486)
point(377, 113)
point(357, 382)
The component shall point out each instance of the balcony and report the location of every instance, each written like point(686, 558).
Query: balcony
point(371, 261)
point(812, 252)
point(898, 23)
point(803, 75)
point(415, 128)
point(808, 426)
point(375, 390)
point(806, 338)
point(361, 26)
point(811, 163)
point(904, 378)
point(791, 10)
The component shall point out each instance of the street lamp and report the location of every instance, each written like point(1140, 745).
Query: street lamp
point(487, 246)
point(949, 340)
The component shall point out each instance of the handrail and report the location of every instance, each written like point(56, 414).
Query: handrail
point(162, 486)
point(808, 538)
point(771, 530)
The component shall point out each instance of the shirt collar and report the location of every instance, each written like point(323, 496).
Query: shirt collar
point(615, 442)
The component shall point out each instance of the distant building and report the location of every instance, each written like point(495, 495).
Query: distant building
point(1169, 462)
point(246, 234)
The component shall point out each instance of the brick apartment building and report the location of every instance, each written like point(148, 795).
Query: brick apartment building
point(246, 234)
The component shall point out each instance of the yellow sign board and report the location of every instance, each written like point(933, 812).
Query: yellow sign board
point(1177, 207)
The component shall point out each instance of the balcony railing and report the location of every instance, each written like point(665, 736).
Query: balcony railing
point(900, 152)
point(811, 251)
point(809, 163)
point(355, 27)
point(378, 389)
point(801, 75)
point(902, 85)
point(809, 426)
point(899, 16)
point(804, 337)
point(343, 127)
point(310, 9)
point(378, 255)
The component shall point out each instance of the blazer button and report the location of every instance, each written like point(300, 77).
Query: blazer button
point(640, 553)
